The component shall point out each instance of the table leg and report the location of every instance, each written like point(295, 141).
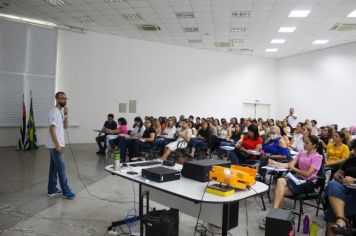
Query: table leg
point(225, 221)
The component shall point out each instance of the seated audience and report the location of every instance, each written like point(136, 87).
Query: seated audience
point(315, 129)
point(202, 139)
point(337, 151)
point(348, 137)
point(144, 142)
point(326, 136)
point(250, 141)
point(137, 132)
point(157, 126)
point(112, 137)
point(275, 145)
point(167, 134)
point(297, 141)
point(184, 136)
point(236, 135)
point(286, 127)
point(341, 199)
point(194, 131)
point(109, 124)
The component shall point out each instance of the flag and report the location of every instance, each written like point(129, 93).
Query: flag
point(31, 142)
point(22, 138)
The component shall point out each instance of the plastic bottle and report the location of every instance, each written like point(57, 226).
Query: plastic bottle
point(306, 224)
point(116, 160)
point(313, 229)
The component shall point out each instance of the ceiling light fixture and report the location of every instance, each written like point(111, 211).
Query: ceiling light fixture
point(321, 41)
point(241, 14)
point(271, 49)
point(85, 19)
point(286, 29)
point(28, 20)
point(132, 17)
point(184, 15)
point(115, 0)
point(352, 14)
point(278, 41)
point(191, 29)
point(238, 29)
point(299, 13)
point(56, 2)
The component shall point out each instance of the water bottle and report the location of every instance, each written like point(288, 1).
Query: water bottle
point(116, 160)
point(313, 229)
point(306, 224)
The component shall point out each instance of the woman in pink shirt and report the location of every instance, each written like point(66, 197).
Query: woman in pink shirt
point(113, 135)
point(305, 167)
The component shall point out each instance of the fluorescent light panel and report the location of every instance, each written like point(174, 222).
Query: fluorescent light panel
point(28, 20)
point(271, 49)
point(286, 29)
point(278, 41)
point(56, 2)
point(238, 29)
point(184, 15)
point(241, 14)
point(352, 14)
point(299, 13)
point(321, 41)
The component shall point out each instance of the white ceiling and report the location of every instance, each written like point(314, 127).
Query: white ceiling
point(213, 18)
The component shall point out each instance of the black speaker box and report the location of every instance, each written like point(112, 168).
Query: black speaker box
point(162, 222)
point(199, 170)
point(279, 222)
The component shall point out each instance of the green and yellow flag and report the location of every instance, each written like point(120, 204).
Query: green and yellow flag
point(31, 142)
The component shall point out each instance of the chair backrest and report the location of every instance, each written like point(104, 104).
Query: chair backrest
point(320, 182)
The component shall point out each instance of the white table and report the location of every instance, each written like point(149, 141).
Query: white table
point(186, 195)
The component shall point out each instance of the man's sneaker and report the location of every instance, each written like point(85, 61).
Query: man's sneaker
point(58, 192)
point(69, 195)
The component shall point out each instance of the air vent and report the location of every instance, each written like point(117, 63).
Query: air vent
point(183, 15)
point(236, 40)
point(149, 27)
point(132, 17)
point(223, 44)
point(245, 50)
point(195, 41)
point(191, 29)
point(85, 19)
point(241, 14)
point(238, 29)
point(343, 27)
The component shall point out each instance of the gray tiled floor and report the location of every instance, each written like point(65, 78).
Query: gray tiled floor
point(25, 208)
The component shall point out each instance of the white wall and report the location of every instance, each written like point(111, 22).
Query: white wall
point(98, 71)
point(320, 85)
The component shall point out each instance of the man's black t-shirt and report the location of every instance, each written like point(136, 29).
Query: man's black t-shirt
point(349, 166)
point(112, 125)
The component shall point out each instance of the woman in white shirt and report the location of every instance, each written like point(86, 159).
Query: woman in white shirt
point(184, 136)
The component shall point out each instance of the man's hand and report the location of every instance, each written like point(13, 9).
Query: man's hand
point(59, 148)
point(65, 111)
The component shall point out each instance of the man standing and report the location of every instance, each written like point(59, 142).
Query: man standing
point(57, 122)
point(292, 119)
point(109, 124)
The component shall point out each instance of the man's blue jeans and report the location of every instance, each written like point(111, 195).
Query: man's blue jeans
point(57, 168)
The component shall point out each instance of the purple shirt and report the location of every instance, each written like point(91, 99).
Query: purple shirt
point(305, 161)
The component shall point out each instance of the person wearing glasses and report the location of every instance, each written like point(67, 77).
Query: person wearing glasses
point(57, 122)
